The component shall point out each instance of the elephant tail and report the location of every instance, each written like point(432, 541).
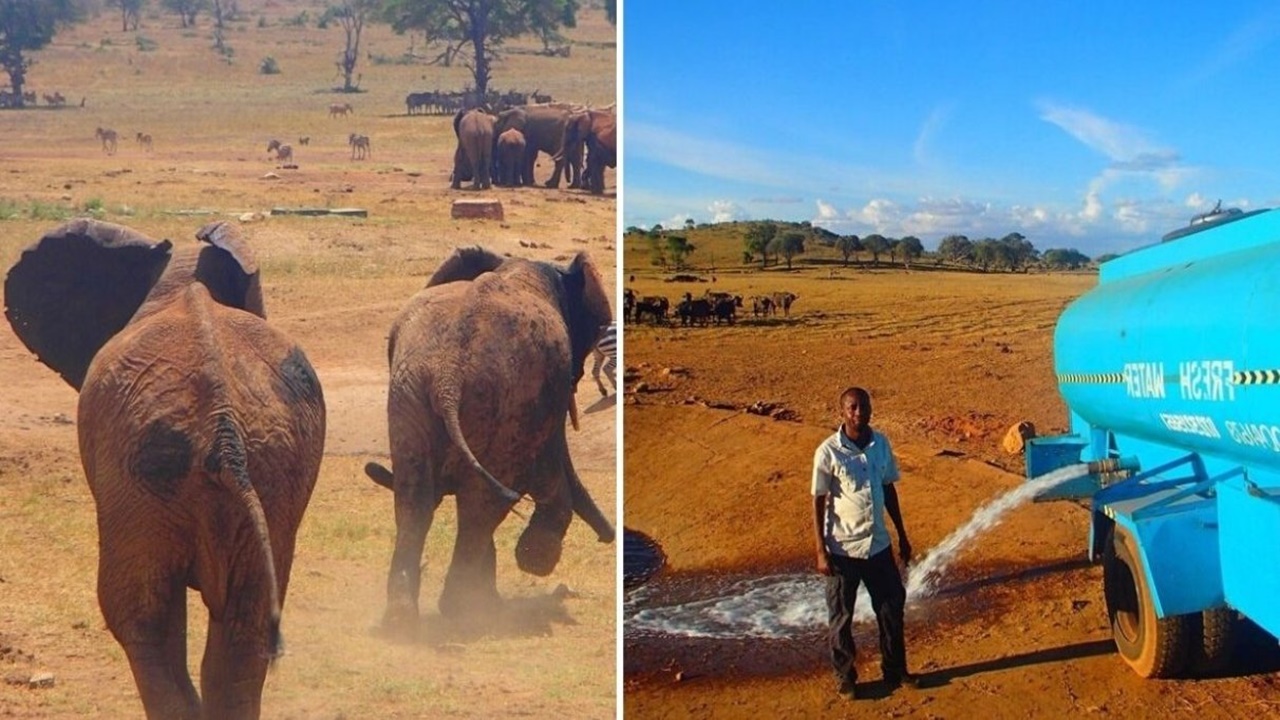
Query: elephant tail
point(586, 509)
point(229, 463)
point(453, 426)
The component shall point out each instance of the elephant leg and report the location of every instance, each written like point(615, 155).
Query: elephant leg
point(459, 160)
point(471, 585)
point(554, 182)
point(415, 505)
point(234, 666)
point(486, 165)
point(149, 620)
point(530, 159)
point(538, 550)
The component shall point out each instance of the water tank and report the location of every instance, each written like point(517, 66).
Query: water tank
point(1179, 346)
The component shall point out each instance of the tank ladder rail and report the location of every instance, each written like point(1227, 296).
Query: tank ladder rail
point(1201, 483)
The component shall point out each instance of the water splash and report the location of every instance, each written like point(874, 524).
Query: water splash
point(781, 606)
point(922, 580)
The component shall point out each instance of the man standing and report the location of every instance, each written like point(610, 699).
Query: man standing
point(854, 472)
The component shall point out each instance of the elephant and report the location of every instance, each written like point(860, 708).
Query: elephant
point(543, 128)
point(602, 150)
point(201, 430)
point(595, 130)
point(510, 158)
point(474, 157)
point(483, 365)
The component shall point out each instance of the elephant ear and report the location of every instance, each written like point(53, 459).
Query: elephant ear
point(78, 286)
point(230, 268)
point(587, 309)
point(465, 264)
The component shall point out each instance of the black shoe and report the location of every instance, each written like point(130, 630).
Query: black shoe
point(849, 689)
point(911, 680)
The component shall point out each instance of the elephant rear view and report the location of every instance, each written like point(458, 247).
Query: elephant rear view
point(484, 363)
point(201, 431)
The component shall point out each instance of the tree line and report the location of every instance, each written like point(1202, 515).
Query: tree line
point(470, 30)
point(780, 242)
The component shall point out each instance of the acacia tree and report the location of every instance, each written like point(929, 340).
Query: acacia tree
point(26, 26)
point(911, 248)
point(986, 252)
point(758, 239)
point(222, 10)
point(351, 15)
point(679, 248)
point(481, 25)
point(789, 246)
point(956, 248)
point(186, 9)
point(877, 245)
point(130, 12)
point(848, 245)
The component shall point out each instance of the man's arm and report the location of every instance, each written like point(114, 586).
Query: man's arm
point(895, 514)
point(819, 515)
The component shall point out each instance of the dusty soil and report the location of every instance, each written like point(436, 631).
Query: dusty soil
point(334, 284)
point(720, 427)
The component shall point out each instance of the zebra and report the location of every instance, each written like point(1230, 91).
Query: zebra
point(605, 356)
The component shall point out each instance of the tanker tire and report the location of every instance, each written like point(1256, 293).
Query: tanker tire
point(1154, 648)
point(1219, 632)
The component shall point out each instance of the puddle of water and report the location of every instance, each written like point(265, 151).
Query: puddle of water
point(641, 558)
point(782, 606)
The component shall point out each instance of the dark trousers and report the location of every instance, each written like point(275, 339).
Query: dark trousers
point(888, 600)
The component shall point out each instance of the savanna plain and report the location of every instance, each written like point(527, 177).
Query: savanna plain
point(332, 283)
point(720, 427)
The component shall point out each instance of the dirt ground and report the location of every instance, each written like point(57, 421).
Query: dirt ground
point(333, 284)
point(720, 427)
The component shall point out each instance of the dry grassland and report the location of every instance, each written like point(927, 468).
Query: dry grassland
point(332, 283)
point(952, 360)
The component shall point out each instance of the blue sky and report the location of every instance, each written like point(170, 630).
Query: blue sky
point(1086, 125)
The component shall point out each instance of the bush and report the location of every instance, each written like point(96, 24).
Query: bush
point(299, 20)
point(146, 44)
point(94, 207)
point(269, 66)
point(49, 211)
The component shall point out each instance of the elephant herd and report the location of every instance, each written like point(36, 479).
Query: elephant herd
point(503, 148)
point(717, 307)
point(201, 432)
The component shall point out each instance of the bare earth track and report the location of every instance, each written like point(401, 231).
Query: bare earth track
point(952, 360)
point(333, 284)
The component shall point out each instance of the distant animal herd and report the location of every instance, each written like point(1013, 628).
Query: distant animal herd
point(502, 147)
point(437, 102)
point(54, 100)
point(498, 143)
point(711, 307)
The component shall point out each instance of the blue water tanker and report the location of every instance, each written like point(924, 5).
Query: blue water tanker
point(1174, 360)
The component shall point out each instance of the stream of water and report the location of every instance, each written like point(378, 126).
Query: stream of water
point(780, 606)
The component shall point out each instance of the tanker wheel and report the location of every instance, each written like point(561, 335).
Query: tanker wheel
point(1153, 647)
point(1219, 631)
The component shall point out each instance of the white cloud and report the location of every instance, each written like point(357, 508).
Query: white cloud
point(878, 214)
point(1119, 142)
point(676, 221)
point(725, 211)
point(930, 128)
point(1243, 42)
point(704, 156)
point(826, 212)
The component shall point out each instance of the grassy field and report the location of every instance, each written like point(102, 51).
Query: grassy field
point(721, 425)
point(332, 283)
